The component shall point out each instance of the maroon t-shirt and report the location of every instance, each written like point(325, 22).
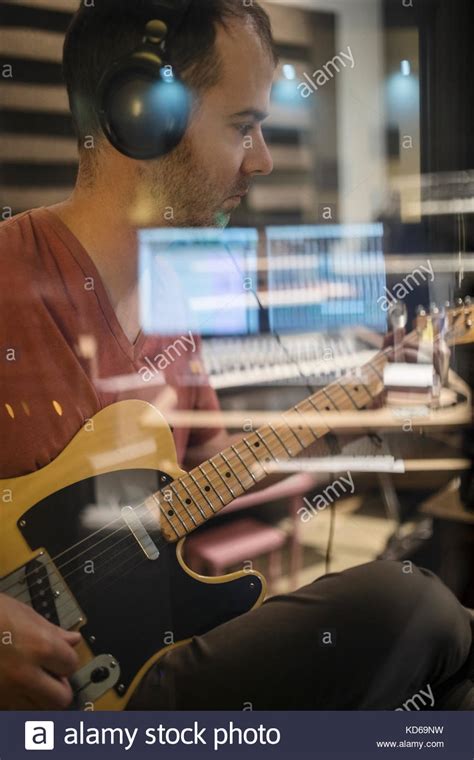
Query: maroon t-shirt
point(64, 355)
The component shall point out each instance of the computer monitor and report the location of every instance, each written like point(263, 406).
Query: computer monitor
point(316, 278)
point(199, 280)
point(325, 277)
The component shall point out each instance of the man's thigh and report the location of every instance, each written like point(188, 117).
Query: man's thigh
point(365, 638)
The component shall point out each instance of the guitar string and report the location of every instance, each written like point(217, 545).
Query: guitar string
point(165, 543)
point(142, 558)
point(132, 544)
point(336, 387)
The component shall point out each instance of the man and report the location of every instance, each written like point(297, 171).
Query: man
point(71, 271)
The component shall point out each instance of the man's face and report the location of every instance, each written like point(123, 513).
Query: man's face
point(200, 182)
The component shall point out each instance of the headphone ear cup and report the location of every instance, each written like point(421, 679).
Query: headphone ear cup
point(144, 110)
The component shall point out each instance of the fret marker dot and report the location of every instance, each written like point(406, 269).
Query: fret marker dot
point(228, 475)
point(207, 488)
point(257, 444)
point(188, 501)
point(170, 512)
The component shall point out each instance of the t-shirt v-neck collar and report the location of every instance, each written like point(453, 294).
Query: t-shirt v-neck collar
point(83, 259)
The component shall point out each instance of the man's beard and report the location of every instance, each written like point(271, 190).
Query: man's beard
point(177, 192)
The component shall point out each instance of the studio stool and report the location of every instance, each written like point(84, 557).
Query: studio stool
point(213, 551)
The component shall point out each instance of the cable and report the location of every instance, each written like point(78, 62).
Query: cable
point(311, 390)
point(332, 527)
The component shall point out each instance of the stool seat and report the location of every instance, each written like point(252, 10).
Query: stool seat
point(230, 544)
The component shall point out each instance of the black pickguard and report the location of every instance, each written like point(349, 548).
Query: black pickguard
point(133, 605)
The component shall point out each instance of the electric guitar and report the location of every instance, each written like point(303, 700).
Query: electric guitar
point(116, 572)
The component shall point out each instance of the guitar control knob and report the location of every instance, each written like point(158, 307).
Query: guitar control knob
point(100, 674)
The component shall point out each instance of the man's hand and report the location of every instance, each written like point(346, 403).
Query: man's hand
point(36, 659)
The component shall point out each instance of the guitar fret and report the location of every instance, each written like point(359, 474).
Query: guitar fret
point(278, 443)
point(359, 385)
point(265, 444)
point(313, 437)
point(175, 511)
point(183, 505)
point(344, 388)
point(240, 458)
point(293, 436)
point(235, 468)
point(234, 473)
point(324, 428)
point(371, 366)
point(368, 391)
point(333, 403)
point(314, 405)
point(164, 513)
point(293, 431)
point(229, 488)
point(356, 404)
point(193, 499)
point(252, 452)
point(202, 491)
point(213, 487)
point(208, 479)
point(288, 451)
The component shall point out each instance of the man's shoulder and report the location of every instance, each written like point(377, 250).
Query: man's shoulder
point(19, 244)
point(11, 224)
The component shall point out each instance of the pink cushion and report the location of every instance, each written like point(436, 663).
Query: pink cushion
point(229, 544)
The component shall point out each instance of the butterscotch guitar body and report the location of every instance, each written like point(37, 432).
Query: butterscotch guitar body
point(79, 546)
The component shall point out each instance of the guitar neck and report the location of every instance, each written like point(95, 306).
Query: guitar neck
point(191, 500)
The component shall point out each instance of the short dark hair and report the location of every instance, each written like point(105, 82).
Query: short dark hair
point(98, 36)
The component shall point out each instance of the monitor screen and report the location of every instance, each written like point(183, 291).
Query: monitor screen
point(314, 279)
point(199, 280)
point(326, 277)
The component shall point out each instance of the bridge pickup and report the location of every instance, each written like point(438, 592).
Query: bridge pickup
point(40, 590)
point(140, 533)
point(28, 583)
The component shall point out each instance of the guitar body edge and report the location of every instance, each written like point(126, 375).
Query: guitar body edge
point(111, 701)
point(130, 438)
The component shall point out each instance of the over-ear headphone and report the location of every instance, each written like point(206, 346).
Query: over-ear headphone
point(143, 106)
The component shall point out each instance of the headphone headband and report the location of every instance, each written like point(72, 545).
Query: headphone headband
point(172, 12)
point(143, 110)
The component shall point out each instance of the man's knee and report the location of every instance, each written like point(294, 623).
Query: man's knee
point(410, 602)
